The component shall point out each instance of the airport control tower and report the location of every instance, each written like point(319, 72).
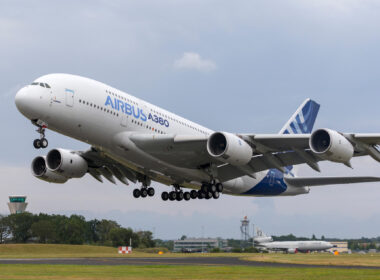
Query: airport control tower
point(244, 229)
point(17, 204)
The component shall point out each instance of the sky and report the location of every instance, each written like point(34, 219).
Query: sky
point(237, 66)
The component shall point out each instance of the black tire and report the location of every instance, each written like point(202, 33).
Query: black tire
point(172, 196)
point(201, 195)
point(215, 195)
point(37, 143)
point(164, 196)
point(150, 191)
point(144, 192)
point(193, 194)
point(136, 193)
point(44, 143)
point(208, 195)
point(186, 196)
point(219, 187)
point(179, 196)
point(212, 188)
point(204, 188)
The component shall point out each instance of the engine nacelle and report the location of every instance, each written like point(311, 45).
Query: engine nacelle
point(229, 148)
point(40, 171)
point(66, 163)
point(331, 145)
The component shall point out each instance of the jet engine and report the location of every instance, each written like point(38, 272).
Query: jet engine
point(331, 145)
point(66, 163)
point(291, 251)
point(40, 171)
point(229, 148)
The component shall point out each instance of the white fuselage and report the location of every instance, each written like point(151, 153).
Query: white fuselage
point(302, 246)
point(105, 117)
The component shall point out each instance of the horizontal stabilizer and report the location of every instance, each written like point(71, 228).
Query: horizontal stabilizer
point(322, 181)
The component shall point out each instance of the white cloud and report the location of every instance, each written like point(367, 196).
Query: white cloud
point(193, 61)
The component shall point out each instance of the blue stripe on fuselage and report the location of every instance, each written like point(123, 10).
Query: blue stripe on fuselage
point(272, 184)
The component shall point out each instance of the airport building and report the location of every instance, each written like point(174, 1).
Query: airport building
point(17, 204)
point(341, 246)
point(199, 244)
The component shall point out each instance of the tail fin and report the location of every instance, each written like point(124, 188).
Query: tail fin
point(303, 119)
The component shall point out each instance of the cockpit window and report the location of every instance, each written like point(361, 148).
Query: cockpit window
point(45, 85)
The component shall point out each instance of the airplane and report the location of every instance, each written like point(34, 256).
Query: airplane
point(264, 242)
point(135, 141)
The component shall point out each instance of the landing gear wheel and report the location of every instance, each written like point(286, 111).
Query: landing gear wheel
point(172, 196)
point(212, 188)
point(193, 194)
point(186, 196)
point(204, 188)
point(164, 196)
point(37, 143)
point(144, 192)
point(179, 196)
point(219, 187)
point(136, 193)
point(201, 195)
point(215, 195)
point(150, 191)
point(208, 195)
point(44, 143)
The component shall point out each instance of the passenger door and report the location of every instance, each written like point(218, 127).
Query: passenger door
point(69, 97)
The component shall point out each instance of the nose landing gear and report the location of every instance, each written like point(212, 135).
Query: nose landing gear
point(42, 142)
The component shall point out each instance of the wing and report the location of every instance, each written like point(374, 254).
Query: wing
point(322, 181)
point(269, 151)
point(101, 166)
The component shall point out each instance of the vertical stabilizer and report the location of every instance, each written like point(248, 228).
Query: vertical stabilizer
point(303, 119)
point(301, 122)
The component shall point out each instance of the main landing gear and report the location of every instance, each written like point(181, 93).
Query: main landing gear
point(143, 192)
point(207, 191)
point(42, 142)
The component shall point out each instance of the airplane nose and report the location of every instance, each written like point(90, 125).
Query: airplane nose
point(25, 103)
point(20, 100)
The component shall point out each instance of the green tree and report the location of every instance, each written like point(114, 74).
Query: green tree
point(75, 230)
point(103, 229)
point(146, 239)
point(122, 236)
point(20, 226)
point(4, 229)
point(44, 230)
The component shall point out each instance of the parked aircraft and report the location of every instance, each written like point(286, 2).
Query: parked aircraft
point(262, 241)
point(135, 141)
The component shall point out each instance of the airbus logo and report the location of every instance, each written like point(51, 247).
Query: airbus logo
point(134, 111)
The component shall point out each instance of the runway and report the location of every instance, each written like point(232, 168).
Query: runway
point(204, 261)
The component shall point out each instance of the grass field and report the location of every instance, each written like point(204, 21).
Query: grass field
point(87, 251)
point(321, 258)
point(178, 272)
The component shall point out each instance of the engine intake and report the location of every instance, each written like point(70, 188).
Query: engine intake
point(40, 171)
point(66, 163)
point(331, 145)
point(229, 148)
